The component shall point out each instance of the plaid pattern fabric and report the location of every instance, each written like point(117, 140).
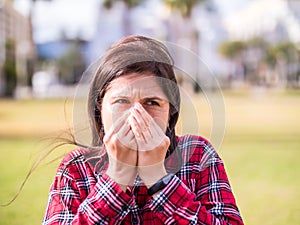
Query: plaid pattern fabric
point(198, 194)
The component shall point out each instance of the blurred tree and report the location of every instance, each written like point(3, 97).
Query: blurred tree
point(185, 7)
point(232, 49)
point(286, 50)
point(264, 63)
point(285, 58)
point(255, 52)
point(130, 4)
point(248, 55)
point(71, 65)
point(9, 69)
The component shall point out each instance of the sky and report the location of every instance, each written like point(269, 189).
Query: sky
point(80, 16)
point(50, 18)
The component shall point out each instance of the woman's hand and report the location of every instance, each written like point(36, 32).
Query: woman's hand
point(121, 147)
point(152, 145)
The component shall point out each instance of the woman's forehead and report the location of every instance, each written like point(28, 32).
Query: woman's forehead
point(146, 84)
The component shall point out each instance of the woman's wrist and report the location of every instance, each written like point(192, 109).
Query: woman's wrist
point(152, 173)
point(123, 176)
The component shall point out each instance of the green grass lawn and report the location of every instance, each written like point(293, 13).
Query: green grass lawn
point(261, 151)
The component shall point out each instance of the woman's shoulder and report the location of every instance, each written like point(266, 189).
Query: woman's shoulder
point(80, 161)
point(75, 172)
point(192, 141)
point(75, 156)
point(85, 159)
point(195, 148)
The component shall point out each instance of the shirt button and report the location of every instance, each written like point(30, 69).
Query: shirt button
point(124, 207)
point(136, 190)
point(135, 221)
point(160, 209)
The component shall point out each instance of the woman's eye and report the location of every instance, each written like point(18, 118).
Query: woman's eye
point(122, 101)
point(152, 103)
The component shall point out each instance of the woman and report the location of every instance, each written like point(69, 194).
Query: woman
point(137, 171)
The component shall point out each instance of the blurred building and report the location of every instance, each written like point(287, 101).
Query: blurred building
point(14, 29)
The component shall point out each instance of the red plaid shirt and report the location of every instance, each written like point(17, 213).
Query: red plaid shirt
point(199, 193)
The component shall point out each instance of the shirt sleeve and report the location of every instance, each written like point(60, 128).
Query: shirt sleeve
point(106, 203)
point(212, 202)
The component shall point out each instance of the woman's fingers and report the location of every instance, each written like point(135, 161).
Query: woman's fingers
point(143, 115)
point(147, 122)
point(126, 136)
point(149, 139)
point(141, 130)
point(115, 127)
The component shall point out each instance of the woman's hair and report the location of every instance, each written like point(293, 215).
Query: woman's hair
point(134, 54)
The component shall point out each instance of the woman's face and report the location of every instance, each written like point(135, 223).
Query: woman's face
point(124, 92)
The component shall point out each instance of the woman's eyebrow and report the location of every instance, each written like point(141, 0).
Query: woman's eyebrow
point(154, 98)
point(119, 96)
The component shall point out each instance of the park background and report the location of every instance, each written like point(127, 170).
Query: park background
point(251, 47)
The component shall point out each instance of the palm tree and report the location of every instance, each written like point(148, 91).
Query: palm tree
point(185, 8)
point(233, 51)
point(284, 57)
